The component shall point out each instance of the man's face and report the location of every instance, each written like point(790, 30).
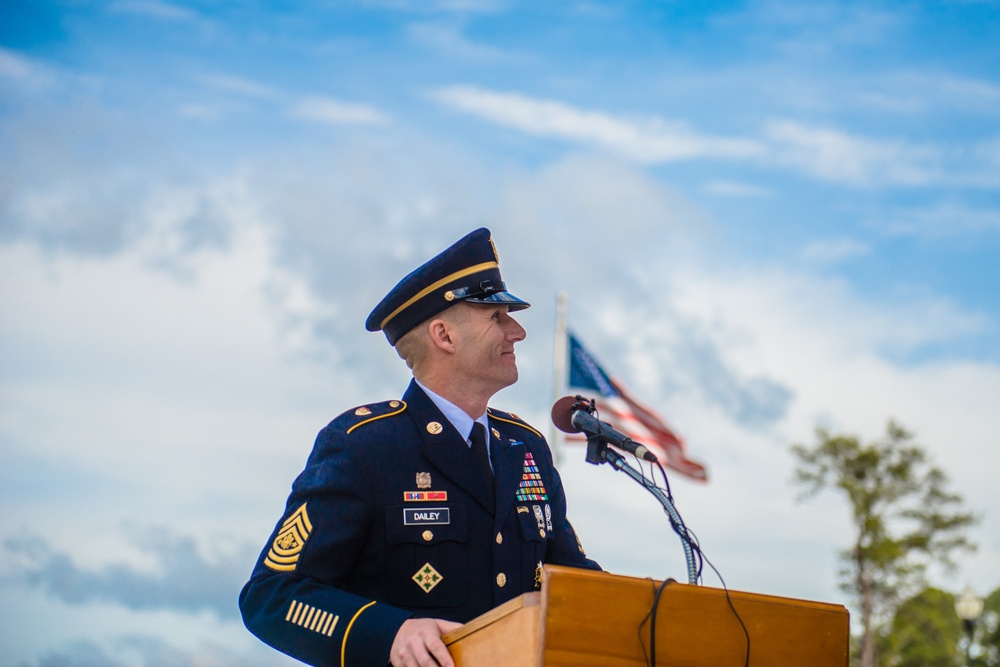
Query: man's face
point(485, 352)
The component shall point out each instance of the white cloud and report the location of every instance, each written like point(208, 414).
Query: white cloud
point(822, 152)
point(26, 72)
point(335, 112)
point(941, 220)
point(838, 156)
point(832, 251)
point(240, 85)
point(449, 39)
point(154, 9)
point(734, 189)
point(651, 141)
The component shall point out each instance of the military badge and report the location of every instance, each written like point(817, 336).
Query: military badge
point(531, 487)
point(427, 578)
point(423, 480)
point(283, 555)
point(434, 428)
point(538, 575)
point(496, 433)
point(423, 496)
point(548, 517)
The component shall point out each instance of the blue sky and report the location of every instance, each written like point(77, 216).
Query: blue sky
point(767, 216)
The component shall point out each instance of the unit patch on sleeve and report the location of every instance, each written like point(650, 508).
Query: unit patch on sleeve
point(283, 555)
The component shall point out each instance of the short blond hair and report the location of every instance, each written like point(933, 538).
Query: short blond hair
point(414, 346)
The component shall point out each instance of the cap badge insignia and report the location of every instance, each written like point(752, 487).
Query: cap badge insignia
point(434, 428)
point(427, 578)
point(496, 255)
point(423, 480)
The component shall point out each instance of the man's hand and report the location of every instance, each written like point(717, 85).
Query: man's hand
point(418, 643)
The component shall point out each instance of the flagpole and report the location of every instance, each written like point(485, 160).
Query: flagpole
point(558, 370)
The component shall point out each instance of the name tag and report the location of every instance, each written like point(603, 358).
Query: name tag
point(427, 516)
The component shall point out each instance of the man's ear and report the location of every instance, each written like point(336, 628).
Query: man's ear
point(442, 334)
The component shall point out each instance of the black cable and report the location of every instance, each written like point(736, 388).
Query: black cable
point(691, 539)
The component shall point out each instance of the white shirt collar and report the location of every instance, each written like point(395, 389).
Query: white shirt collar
point(456, 415)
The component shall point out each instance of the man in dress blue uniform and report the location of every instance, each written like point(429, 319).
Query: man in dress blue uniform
point(414, 516)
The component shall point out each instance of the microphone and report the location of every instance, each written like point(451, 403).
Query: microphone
point(570, 415)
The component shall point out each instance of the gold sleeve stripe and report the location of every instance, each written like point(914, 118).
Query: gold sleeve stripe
point(511, 421)
point(343, 646)
point(311, 618)
point(441, 283)
point(329, 632)
point(388, 414)
point(330, 624)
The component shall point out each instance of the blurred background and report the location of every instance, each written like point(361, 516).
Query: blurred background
point(767, 217)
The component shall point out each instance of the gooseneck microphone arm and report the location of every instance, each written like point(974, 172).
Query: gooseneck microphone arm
point(566, 415)
point(618, 462)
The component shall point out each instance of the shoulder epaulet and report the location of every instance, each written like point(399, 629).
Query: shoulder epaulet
point(366, 414)
point(511, 418)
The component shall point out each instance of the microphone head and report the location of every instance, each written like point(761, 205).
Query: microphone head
point(562, 414)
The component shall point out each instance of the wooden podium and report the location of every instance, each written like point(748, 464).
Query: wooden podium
point(584, 618)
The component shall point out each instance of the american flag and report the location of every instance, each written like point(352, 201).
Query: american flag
point(617, 408)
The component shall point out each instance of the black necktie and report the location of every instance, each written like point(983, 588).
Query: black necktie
point(481, 450)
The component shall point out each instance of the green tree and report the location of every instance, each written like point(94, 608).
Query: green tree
point(903, 518)
point(986, 640)
point(926, 632)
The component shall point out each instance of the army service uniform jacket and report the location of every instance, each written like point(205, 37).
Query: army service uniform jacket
point(391, 520)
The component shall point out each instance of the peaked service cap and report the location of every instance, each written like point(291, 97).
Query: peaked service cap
point(468, 270)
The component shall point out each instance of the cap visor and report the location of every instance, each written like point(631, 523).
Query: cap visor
point(506, 298)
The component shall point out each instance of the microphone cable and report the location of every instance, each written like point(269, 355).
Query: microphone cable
point(688, 536)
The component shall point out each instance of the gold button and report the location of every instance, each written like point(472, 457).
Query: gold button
point(501, 580)
point(499, 538)
point(428, 536)
point(541, 531)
